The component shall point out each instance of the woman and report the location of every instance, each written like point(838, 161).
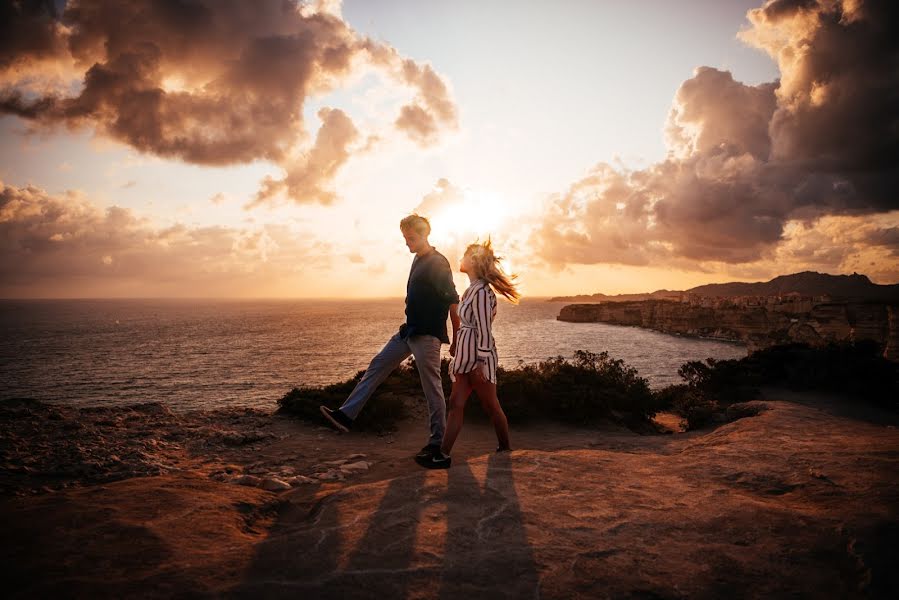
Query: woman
point(473, 366)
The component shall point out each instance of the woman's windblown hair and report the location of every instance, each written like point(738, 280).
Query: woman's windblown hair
point(487, 266)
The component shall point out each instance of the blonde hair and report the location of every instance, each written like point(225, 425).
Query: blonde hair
point(486, 265)
point(416, 223)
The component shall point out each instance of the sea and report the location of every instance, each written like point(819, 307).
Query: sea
point(206, 354)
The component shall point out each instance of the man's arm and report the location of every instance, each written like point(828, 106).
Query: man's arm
point(442, 278)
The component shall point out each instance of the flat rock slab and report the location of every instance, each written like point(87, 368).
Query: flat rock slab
point(794, 502)
point(791, 503)
point(168, 536)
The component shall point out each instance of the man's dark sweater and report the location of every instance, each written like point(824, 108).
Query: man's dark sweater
point(429, 294)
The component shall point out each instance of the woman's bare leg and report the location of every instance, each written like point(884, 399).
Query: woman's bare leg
point(458, 396)
point(486, 392)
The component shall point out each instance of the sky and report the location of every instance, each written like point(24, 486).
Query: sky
point(231, 149)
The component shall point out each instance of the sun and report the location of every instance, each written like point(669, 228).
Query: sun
point(475, 216)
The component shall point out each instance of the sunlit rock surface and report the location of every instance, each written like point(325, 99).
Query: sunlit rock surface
point(800, 500)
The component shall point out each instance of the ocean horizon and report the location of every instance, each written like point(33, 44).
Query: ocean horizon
point(199, 353)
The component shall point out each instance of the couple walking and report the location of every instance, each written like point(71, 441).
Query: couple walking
point(430, 296)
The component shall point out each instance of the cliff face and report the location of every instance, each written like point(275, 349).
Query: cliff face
point(757, 327)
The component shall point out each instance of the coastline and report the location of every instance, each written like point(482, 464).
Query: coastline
point(756, 327)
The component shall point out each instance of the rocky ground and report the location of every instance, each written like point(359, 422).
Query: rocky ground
point(800, 500)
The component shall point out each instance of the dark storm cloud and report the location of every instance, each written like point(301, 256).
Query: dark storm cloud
point(29, 30)
point(212, 82)
point(888, 238)
point(837, 110)
point(245, 68)
point(744, 161)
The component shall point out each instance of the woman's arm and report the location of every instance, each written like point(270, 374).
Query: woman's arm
point(483, 314)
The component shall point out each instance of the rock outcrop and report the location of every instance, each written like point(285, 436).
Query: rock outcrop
point(758, 327)
point(47, 448)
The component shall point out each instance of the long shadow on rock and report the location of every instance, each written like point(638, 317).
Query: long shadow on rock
point(302, 547)
point(487, 552)
point(341, 546)
point(381, 564)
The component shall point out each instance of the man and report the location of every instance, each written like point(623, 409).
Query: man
point(430, 294)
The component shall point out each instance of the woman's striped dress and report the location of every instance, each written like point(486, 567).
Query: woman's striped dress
point(475, 342)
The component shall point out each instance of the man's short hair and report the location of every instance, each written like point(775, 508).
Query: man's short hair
point(416, 223)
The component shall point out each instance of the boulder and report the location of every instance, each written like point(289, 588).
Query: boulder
point(273, 484)
point(248, 480)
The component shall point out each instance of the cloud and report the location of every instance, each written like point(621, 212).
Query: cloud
point(29, 32)
point(432, 107)
point(842, 244)
point(747, 165)
point(887, 238)
point(443, 195)
point(703, 116)
point(207, 82)
point(307, 177)
point(66, 245)
point(837, 110)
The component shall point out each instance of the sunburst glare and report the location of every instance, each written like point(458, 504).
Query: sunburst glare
point(476, 215)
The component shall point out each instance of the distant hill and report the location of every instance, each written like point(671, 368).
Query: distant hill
point(807, 283)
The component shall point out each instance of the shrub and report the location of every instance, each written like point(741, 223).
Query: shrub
point(590, 388)
point(386, 407)
point(585, 390)
point(855, 369)
point(696, 408)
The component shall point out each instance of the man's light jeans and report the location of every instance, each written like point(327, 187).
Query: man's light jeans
point(426, 350)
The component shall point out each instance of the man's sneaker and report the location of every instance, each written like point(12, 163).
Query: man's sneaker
point(428, 451)
point(500, 449)
point(434, 461)
point(340, 421)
